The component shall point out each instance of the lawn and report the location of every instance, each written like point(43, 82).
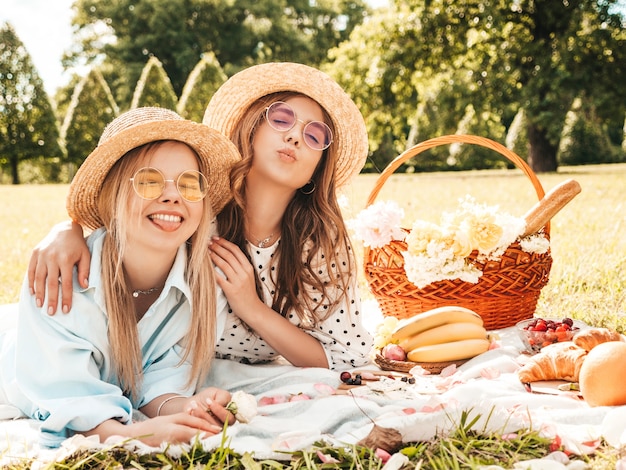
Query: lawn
point(588, 245)
point(586, 282)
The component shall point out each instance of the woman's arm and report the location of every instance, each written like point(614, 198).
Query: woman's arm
point(174, 428)
point(287, 339)
point(54, 257)
point(208, 404)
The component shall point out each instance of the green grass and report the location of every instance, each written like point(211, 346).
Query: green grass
point(586, 282)
point(587, 236)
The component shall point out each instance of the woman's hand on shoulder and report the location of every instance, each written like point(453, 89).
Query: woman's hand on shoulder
point(53, 258)
point(238, 279)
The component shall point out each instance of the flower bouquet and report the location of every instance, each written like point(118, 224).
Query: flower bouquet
point(476, 257)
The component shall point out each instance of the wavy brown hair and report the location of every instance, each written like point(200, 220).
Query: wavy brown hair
point(313, 221)
point(123, 336)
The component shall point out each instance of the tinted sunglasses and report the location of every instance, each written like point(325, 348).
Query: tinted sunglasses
point(281, 117)
point(149, 183)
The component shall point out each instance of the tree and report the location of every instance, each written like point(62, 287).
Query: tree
point(537, 55)
point(154, 87)
point(92, 107)
point(178, 32)
point(203, 81)
point(28, 127)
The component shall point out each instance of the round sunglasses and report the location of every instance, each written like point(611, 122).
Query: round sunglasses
point(149, 183)
point(281, 117)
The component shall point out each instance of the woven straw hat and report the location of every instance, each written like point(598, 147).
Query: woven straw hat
point(138, 127)
point(234, 97)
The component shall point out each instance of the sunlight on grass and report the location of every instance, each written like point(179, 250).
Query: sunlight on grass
point(586, 282)
point(587, 241)
point(27, 214)
point(588, 245)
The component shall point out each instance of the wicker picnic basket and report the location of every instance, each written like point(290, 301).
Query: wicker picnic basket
point(506, 293)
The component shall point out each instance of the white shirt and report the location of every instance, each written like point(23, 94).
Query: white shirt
point(346, 341)
point(58, 369)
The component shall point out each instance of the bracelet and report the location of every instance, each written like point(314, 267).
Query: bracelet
point(168, 399)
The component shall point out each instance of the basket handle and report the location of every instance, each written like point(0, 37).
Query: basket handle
point(450, 139)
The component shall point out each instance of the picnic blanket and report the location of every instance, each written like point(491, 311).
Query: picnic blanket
point(305, 405)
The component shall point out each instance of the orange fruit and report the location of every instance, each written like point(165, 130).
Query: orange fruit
point(602, 375)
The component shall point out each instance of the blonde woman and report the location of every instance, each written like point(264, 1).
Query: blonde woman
point(143, 334)
point(291, 276)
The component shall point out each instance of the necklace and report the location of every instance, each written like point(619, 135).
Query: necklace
point(262, 242)
point(145, 292)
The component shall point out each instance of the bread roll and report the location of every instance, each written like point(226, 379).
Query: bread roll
point(590, 338)
point(558, 361)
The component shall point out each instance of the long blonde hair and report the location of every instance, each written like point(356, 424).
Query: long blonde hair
point(122, 332)
point(311, 220)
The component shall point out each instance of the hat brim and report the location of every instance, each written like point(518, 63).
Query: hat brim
point(217, 153)
point(234, 97)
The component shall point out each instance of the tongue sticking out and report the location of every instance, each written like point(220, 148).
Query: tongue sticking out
point(168, 223)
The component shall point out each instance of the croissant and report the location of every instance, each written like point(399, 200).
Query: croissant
point(590, 338)
point(559, 361)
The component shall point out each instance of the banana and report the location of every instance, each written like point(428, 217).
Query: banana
point(433, 318)
point(452, 351)
point(444, 334)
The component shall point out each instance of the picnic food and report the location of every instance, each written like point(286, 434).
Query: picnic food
point(541, 213)
point(449, 351)
point(539, 332)
point(559, 361)
point(588, 339)
point(394, 352)
point(433, 318)
point(602, 375)
point(444, 334)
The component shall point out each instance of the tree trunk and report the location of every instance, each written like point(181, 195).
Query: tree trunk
point(541, 153)
point(14, 173)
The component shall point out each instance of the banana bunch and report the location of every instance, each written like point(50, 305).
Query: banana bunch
point(443, 334)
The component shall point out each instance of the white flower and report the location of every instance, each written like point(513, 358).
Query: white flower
point(243, 406)
point(378, 224)
point(535, 243)
point(437, 252)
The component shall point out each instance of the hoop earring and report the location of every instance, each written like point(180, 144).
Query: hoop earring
point(308, 188)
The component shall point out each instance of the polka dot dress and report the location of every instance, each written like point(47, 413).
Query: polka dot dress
point(345, 340)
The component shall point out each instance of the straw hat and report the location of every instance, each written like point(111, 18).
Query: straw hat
point(234, 97)
point(140, 126)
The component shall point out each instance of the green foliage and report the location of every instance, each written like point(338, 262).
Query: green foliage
point(179, 32)
point(517, 137)
point(91, 108)
point(584, 140)
point(204, 80)
point(28, 127)
point(415, 68)
point(463, 448)
point(154, 87)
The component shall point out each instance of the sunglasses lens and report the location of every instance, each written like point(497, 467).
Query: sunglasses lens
point(280, 116)
point(317, 135)
point(192, 185)
point(148, 183)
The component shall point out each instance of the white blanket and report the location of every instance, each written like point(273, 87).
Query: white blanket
point(486, 386)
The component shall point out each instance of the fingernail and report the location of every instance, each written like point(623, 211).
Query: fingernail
point(39, 303)
point(50, 311)
point(209, 401)
point(31, 290)
point(66, 309)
